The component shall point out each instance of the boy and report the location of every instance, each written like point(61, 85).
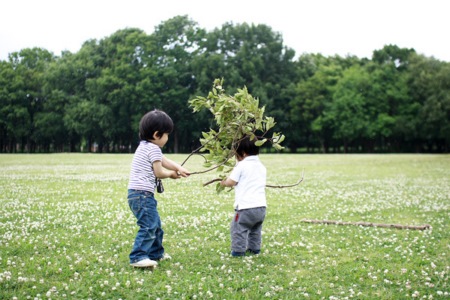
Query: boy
point(249, 179)
point(149, 164)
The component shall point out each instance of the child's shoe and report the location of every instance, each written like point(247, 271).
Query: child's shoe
point(237, 254)
point(145, 263)
point(252, 252)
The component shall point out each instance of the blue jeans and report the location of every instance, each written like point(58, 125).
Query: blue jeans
point(148, 242)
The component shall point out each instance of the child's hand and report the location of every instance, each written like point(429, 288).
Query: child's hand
point(174, 175)
point(183, 172)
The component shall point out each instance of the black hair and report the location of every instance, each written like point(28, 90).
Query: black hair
point(247, 146)
point(154, 121)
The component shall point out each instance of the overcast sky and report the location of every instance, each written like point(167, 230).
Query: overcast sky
point(343, 27)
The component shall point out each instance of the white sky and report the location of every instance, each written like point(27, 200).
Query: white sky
point(356, 27)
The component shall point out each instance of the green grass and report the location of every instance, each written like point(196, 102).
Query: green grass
point(66, 231)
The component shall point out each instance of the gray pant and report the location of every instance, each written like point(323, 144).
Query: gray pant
point(246, 229)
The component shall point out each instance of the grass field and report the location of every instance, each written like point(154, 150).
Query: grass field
point(66, 231)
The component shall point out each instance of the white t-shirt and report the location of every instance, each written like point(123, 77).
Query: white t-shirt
point(142, 177)
point(250, 175)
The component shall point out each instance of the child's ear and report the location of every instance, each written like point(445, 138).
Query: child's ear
point(156, 135)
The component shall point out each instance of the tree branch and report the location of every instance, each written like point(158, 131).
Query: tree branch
point(212, 181)
point(210, 169)
point(199, 148)
point(191, 154)
point(286, 186)
point(267, 185)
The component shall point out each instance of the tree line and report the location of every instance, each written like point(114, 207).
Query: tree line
point(92, 100)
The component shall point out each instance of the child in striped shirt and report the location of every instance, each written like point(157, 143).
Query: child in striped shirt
point(148, 166)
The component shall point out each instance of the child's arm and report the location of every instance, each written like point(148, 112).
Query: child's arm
point(171, 165)
point(161, 172)
point(228, 182)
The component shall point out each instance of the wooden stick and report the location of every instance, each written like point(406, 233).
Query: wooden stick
point(368, 224)
point(212, 181)
point(285, 186)
point(267, 185)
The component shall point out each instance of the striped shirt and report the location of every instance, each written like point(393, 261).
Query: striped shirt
point(142, 176)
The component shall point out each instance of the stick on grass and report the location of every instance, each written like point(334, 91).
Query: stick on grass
point(369, 224)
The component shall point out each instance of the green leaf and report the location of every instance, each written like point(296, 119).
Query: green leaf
point(260, 142)
point(270, 122)
point(278, 147)
point(219, 187)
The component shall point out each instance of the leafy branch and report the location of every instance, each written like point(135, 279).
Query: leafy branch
point(236, 116)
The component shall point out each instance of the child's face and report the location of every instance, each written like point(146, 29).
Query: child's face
point(160, 141)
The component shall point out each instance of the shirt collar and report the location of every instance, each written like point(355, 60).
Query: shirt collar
point(251, 158)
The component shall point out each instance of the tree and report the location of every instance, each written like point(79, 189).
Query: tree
point(65, 85)
point(118, 90)
point(389, 96)
point(7, 86)
point(25, 95)
point(393, 55)
point(429, 80)
point(49, 123)
point(313, 96)
point(175, 43)
point(348, 109)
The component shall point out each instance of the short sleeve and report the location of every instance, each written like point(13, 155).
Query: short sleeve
point(236, 173)
point(155, 154)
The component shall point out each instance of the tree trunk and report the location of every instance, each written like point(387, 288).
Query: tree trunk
point(175, 142)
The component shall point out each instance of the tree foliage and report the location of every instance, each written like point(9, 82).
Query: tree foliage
point(396, 101)
point(235, 118)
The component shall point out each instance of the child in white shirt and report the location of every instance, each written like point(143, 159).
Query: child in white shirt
point(249, 179)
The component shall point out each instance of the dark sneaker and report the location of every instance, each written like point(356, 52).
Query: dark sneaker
point(237, 254)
